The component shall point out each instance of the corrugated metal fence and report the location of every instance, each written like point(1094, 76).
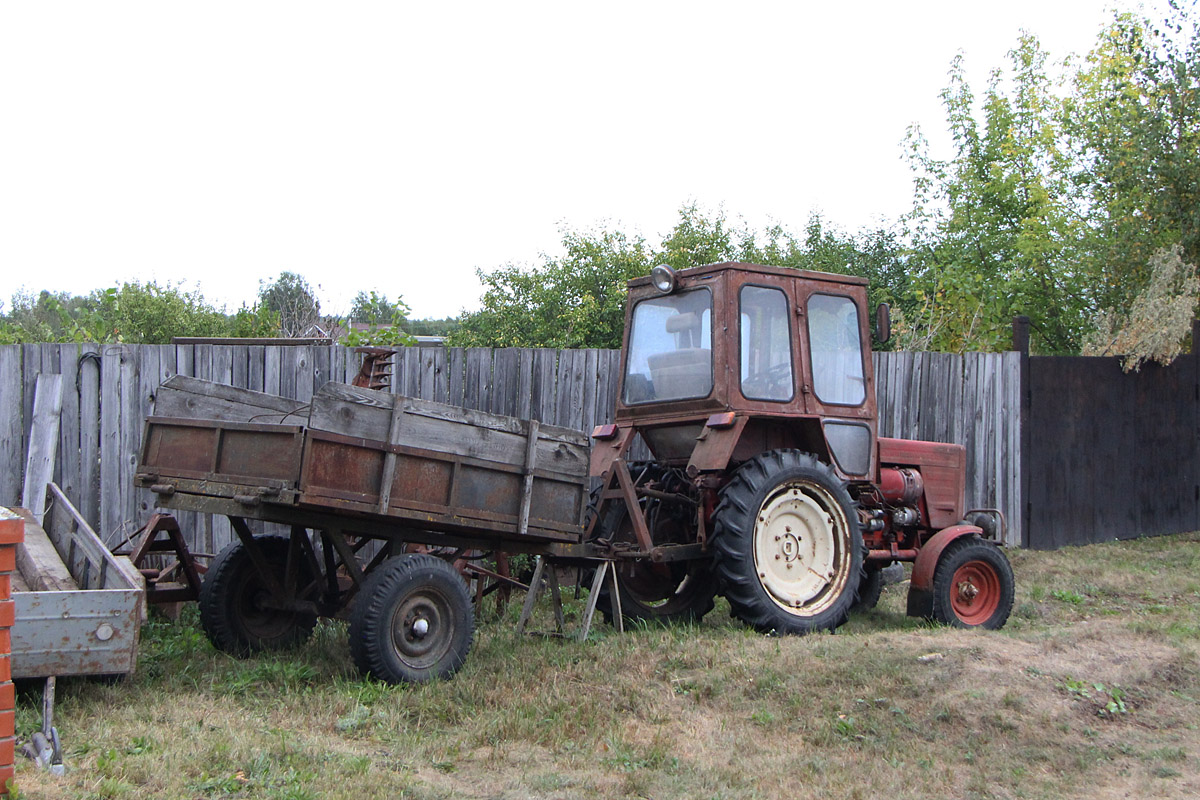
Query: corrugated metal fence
point(109, 390)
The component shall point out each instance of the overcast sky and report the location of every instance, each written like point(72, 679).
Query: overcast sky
point(399, 146)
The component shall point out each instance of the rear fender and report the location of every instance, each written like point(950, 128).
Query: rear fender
point(920, 588)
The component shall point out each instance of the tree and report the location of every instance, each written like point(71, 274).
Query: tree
point(1159, 318)
point(1133, 120)
point(132, 312)
point(994, 227)
point(578, 299)
point(374, 308)
point(293, 300)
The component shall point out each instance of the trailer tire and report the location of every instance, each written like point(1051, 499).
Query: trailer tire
point(232, 613)
point(788, 547)
point(413, 621)
point(973, 585)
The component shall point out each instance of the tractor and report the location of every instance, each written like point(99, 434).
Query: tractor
point(744, 460)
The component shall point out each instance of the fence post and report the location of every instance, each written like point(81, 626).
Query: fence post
point(1021, 344)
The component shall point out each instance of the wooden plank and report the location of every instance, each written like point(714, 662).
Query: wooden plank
point(254, 368)
point(478, 377)
point(31, 367)
point(12, 452)
point(182, 396)
point(527, 485)
point(240, 371)
point(456, 366)
point(524, 383)
point(542, 394)
point(591, 360)
point(87, 493)
point(130, 438)
point(389, 459)
point(52, 363)
point(304, 374)
point(367, 414)
point(39, 562)
point(503, 398)
point(43, 443)
point(272, 369)
point(428, 372)
point(148, 358)
point(441, 379)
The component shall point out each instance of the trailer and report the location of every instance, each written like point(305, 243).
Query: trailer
point(364, 481)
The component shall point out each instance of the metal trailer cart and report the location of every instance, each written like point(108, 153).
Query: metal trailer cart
point(362, 478)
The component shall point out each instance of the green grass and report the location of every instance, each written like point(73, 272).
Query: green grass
point(1088, 697)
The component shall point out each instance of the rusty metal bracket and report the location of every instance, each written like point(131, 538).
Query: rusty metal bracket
point(150, 543)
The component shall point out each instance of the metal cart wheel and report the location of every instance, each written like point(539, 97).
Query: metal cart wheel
point(413, 621)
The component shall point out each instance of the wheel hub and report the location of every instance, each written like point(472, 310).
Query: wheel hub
point(799, 550)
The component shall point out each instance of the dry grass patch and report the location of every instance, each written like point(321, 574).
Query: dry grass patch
point(1091, 692)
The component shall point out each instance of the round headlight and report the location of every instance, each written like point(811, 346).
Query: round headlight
point(664, 278)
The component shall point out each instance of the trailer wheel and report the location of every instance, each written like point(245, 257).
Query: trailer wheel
point(973, 585)
point(788, 547)
point(235, 611)
point(413, 621)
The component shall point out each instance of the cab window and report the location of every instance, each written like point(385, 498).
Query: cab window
point(836, 350)
point(766, 345)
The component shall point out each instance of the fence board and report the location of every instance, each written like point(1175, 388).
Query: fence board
point(12, 446)
point(972, 399)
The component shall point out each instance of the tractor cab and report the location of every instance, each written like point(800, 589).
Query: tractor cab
point(731, 358)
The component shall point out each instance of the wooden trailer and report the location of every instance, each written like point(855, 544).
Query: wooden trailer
point(361, 478)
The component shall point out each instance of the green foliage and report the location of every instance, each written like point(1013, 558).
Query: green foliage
point(134, 312)
point(1052, 204)
point(577, 299)
point(386, 322)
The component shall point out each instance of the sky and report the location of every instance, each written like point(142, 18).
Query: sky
point(398, 147)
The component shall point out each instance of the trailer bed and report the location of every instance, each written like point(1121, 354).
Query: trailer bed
point(375, 460)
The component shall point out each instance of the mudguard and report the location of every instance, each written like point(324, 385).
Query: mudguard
point(920, 588)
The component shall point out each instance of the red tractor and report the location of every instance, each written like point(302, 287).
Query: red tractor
point(749, 391)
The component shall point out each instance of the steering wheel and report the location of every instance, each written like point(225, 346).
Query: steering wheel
point(773, 383)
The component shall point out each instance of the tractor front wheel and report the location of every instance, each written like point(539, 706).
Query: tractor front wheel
point(788, 546)
point(973, 585)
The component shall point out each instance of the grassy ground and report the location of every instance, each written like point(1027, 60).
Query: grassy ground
point(1093, 690)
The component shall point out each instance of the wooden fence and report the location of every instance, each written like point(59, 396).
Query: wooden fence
point(108, 390)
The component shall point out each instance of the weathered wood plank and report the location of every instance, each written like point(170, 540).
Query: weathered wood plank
point(87, 494)
point(39, 562)
point(43, 443)
point(110, 440)
point(182, 396)
point(131, 421)
point(456, 367)
point(12, 452)
point(367, 414)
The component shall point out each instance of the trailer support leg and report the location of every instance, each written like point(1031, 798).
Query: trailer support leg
point(606, 572)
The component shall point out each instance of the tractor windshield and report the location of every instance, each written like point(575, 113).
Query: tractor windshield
point(670, 348)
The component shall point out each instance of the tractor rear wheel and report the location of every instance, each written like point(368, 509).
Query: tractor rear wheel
point(973, 585)
point(788, 547)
